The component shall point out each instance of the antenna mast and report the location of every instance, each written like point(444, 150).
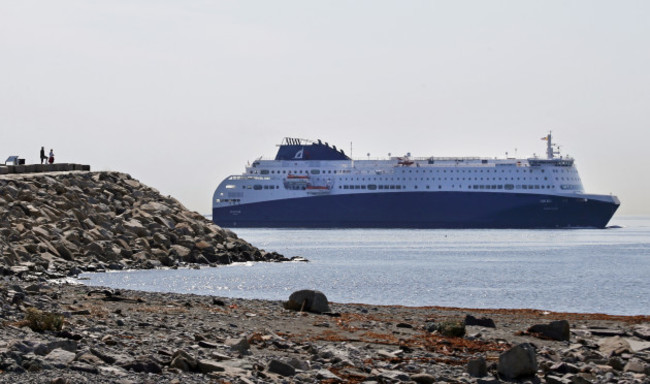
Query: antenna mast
point(549, 146)
point(550, 151)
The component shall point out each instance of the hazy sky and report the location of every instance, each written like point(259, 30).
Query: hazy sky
point(181, 94)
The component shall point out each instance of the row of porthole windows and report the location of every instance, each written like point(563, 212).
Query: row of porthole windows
point(316, 171)
point(440, 178)
point(299, 171)
point(475, 186)
point(389, 187)
point(371, 187)
point(468, 171)
point(258, 187)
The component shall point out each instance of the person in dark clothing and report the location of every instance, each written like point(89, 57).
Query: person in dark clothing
point(43, 157)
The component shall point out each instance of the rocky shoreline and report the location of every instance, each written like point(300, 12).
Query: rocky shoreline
point(124, 337)
point(63, 223)
point(57, 225)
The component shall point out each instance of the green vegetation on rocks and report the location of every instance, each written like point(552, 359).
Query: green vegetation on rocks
point(40, 321)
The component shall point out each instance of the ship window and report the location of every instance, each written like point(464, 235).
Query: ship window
point(315, 171)
point(400, 187)
point(372, 187)
point(264, 171)
point(257, 187)
point(230, 186)
point(357, 187)
point(363, 187)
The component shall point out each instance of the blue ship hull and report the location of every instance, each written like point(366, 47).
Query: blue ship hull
point(421, 210)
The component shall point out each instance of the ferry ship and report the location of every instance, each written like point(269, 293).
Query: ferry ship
point(311, 184)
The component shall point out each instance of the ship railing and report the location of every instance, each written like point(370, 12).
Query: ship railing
point(240, 177)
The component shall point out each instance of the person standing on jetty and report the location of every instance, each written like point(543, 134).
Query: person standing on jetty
point(43, 158)
point(51, 159)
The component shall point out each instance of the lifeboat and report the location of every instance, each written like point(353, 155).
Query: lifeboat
point(404, 161)
point(317, 190)
point(297, 177)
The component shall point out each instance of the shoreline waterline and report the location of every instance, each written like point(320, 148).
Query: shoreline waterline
point(582, 271)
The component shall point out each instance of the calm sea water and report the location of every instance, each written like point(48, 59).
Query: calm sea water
point(581, 270)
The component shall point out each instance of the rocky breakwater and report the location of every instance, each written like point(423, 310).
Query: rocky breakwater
point(61, 224)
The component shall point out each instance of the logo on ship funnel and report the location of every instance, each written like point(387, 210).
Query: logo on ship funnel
point(299, 154)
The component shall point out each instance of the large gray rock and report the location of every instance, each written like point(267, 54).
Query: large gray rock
point(636, 365)
point(518, 361)
point(207, 366)
point(308, 300)
point(423, 378)
point(143, 364)
point(482, 322)
point(281, 368)
point(477, 367)
point(555, 330)
point(60, 358)
point(184, 361)
point(613, 346)
point(642, 332)
point(240, 345)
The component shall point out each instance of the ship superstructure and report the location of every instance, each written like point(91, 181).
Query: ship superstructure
point(313, 184)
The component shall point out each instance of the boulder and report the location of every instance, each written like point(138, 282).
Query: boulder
point(207, 366)
point(555, 330)
point(613, 346)
point(308, 300)
point(450, 328)
point(281, 368)
point(482, 322)
point(642, 332)
point(240, 345)
point(423, 378)
point(518, 361)
point(60, 358)
point(144, 364)
point(636, 365)
point(477, 367)
point(183, 361)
